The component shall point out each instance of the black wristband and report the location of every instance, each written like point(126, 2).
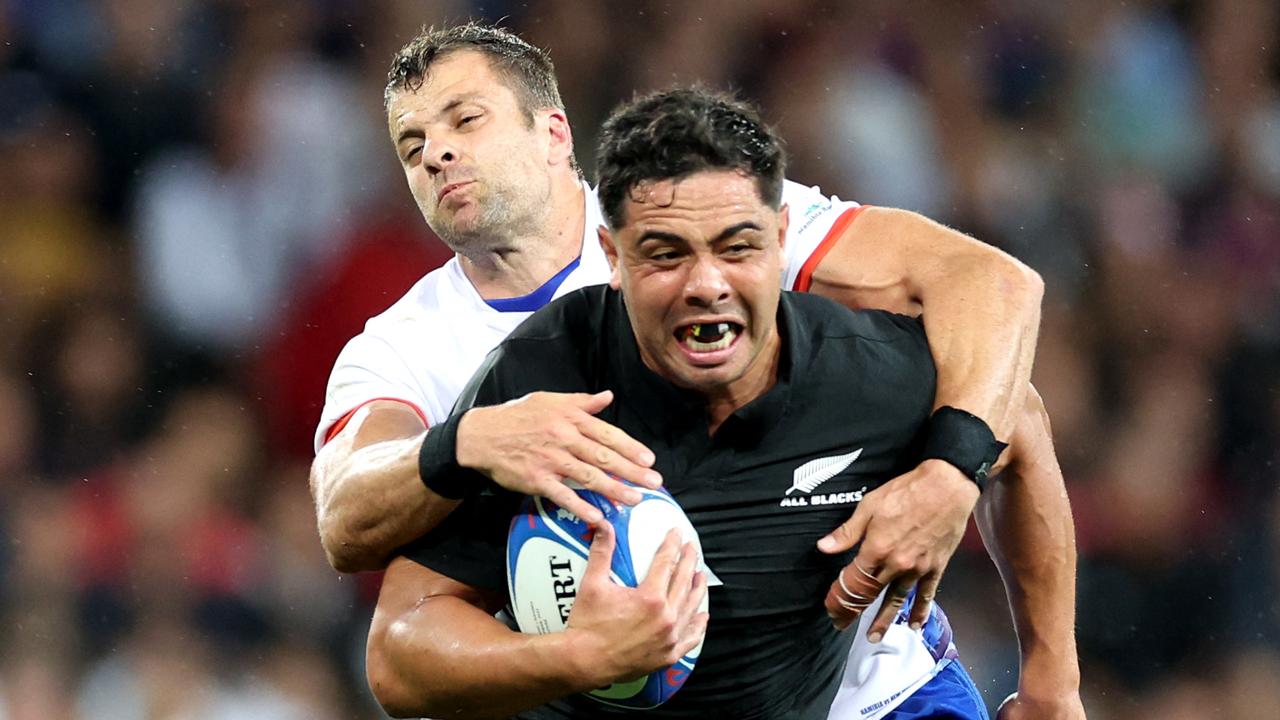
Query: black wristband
point(438, 463)
point(965, 441)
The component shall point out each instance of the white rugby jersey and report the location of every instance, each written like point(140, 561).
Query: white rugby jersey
point(424, 348)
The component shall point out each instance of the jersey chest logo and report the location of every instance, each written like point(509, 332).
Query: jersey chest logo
point(810, 475)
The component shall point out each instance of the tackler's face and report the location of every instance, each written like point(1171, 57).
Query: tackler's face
point(477, 165)
point(699, 262)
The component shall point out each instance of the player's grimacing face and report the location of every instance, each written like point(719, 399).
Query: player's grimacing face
point(699, 262)
point(476, 167)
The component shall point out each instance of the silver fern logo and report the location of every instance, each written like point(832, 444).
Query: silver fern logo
point(810, 475)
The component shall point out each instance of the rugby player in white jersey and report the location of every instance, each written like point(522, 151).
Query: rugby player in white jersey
point(487, 151)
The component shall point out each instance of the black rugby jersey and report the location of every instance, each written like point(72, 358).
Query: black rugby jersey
point(850, 385)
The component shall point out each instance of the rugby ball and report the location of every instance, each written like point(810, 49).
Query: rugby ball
point(547, 551)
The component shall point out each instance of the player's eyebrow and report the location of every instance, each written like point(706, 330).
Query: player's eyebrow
point(724, 234)
point(454, 102)
point(660, 235)
point(735, 229)
point(405, 131)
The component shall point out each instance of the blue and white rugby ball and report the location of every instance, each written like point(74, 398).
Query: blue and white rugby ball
point(547, 553)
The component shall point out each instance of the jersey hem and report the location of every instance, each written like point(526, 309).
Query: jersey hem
point(341, 423)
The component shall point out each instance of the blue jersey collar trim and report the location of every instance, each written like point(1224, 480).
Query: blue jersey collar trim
point(536, 299)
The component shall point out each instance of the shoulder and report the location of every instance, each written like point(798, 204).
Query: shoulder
point(564, 319)
point(808, 204)
point(802, 199)
point(557, 349)
point(396, 334)
point(876, 344)
point(815, 221)
point(827, 319)
point(879, 359)
point(426, 301)
point(398, 325)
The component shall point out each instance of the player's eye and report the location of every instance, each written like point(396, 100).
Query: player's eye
point(467, 120)
point(414, 152)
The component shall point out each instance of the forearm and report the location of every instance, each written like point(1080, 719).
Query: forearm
point(1025, 521)
point(448, 658)
point(371, 501)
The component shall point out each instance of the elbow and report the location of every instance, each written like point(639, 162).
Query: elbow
point(347, 561)
point(339, 536)
point(1020, 281)
point(401, 696)
point(1027, 283)
point(345, 547)
point(1033, 285)
point(389, 689)
point(349, 531)
point(979, 262)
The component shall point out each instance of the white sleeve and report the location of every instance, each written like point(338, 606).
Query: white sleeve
point(815, 220)
point(367, 369)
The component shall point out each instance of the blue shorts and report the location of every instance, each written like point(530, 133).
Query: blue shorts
point(950, 695)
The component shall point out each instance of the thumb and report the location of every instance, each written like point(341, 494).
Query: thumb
point(848, 534)
point(600, 558)
point(595, 403)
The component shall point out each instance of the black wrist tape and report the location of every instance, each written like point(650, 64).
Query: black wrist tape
point(438, 463)
point(965, 441)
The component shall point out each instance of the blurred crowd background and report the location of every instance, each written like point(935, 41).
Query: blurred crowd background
point(199, 205)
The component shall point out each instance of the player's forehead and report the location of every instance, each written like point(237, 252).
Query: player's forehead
point(458, 76)
point(696, 205)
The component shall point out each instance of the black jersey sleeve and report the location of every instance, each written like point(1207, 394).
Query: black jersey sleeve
point(470, 544)
point(901, 377)
point(906, 344)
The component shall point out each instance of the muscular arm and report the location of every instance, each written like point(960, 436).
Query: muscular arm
point(981, 314)
point(436, 650)
point(981, 307)
point(1025, 521)
point(369, 498)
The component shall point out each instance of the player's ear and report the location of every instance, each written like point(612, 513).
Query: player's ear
point(611, 253)
point(559, 137)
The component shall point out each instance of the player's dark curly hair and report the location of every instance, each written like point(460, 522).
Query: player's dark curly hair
point(526, 68)
point(675, 133)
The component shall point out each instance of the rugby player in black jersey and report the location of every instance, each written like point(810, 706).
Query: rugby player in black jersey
point(735, 385)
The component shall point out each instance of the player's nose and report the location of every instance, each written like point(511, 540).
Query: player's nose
point(439, 155)
point(706, 284)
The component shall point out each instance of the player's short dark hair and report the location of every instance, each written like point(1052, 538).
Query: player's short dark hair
point(671, 134)
point(526, 68)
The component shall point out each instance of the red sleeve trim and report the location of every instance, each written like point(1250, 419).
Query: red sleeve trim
point(341, 423)
point(829, 241)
